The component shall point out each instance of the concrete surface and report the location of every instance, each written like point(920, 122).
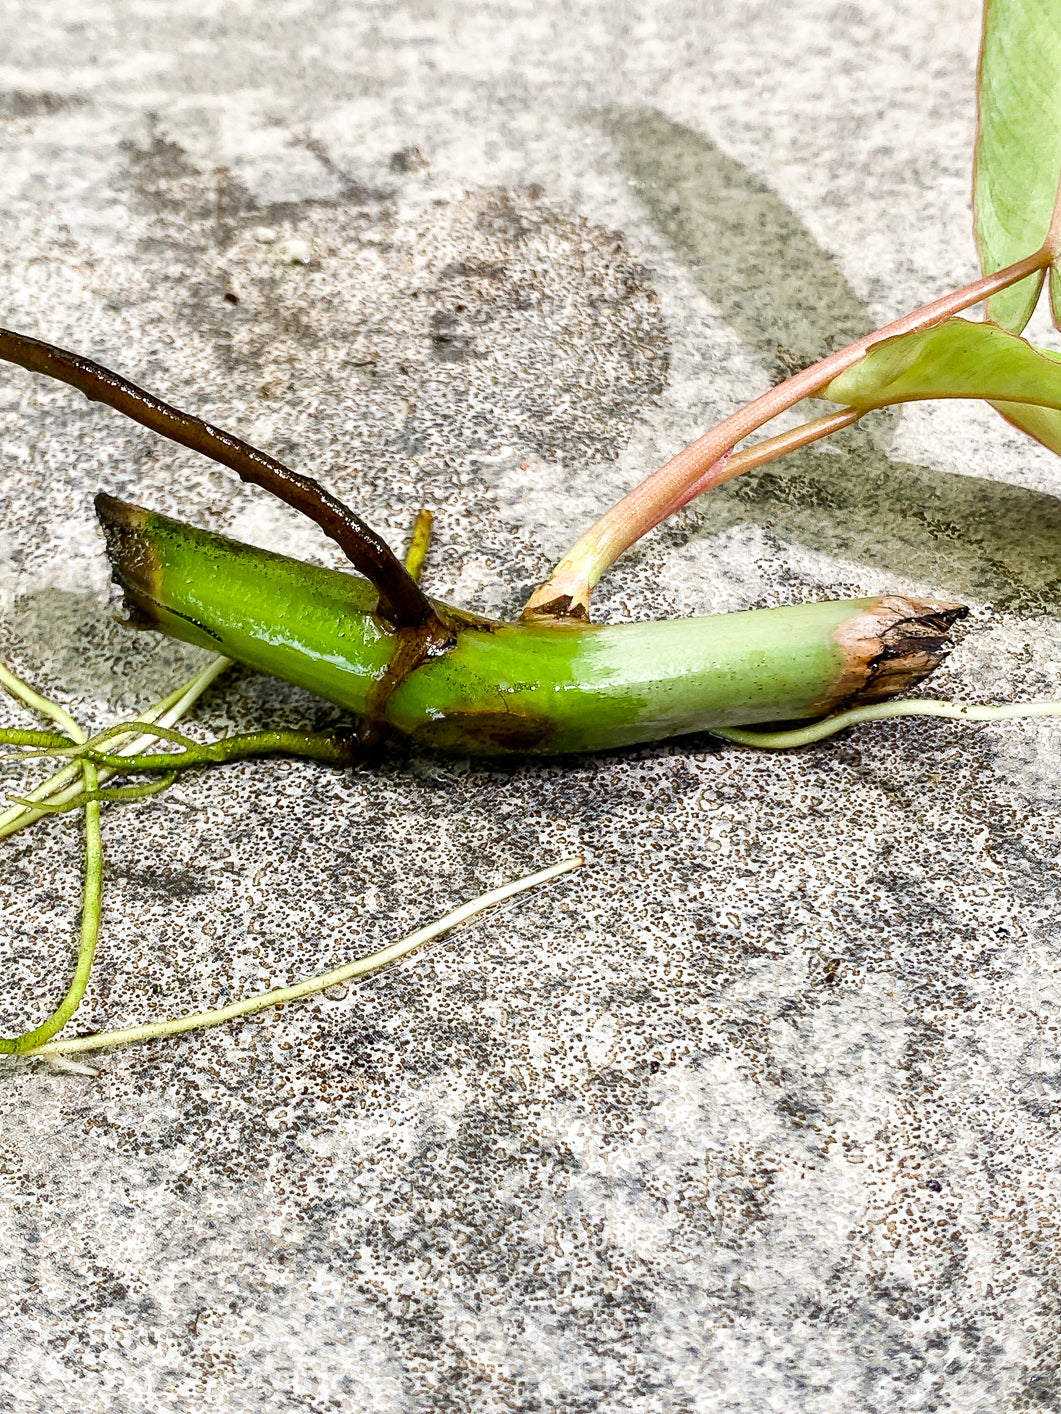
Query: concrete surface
point(762, 1110)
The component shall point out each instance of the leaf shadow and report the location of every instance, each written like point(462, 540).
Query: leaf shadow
point(789, 302)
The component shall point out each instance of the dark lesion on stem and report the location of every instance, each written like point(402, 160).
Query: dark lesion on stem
point(891, 646)
point(401, 601)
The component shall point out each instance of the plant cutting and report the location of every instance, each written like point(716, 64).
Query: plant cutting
point(555, 682)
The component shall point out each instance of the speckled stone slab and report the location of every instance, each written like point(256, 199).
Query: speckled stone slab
point(762, 1109)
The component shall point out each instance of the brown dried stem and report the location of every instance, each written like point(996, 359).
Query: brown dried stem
point(401, 600)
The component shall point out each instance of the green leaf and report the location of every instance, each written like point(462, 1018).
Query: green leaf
point(961, 360)
point(1018, 146)
point(1044, 424)
point(956, 359)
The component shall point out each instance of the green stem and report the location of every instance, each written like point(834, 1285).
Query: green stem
point(517, 688)
point(883, 711)
point(279, 996)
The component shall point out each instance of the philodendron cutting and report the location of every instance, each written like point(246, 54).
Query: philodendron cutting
point(554, 682)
